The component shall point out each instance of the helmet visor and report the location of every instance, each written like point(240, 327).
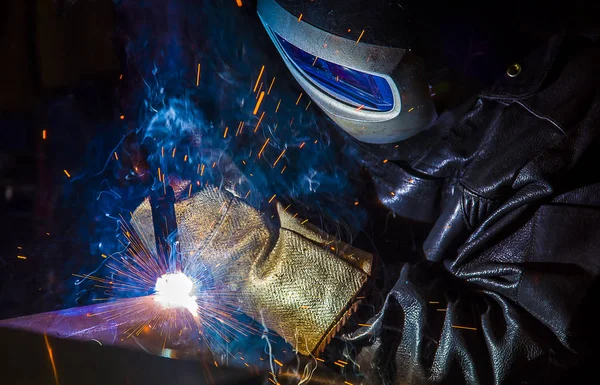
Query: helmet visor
point(356, 88)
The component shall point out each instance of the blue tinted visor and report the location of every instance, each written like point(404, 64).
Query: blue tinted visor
point(353, 87)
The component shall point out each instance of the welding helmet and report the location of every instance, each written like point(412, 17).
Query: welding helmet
point(352, 59)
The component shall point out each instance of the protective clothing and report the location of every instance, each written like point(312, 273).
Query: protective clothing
point(491, 236)
point(301, 282)
point(500, 205)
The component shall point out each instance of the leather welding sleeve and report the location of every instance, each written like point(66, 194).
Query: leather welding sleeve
point(508, 292)
point(298, 281)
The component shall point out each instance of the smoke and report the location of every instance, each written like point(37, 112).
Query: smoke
point(190, 98)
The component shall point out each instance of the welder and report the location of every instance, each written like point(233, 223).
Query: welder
point(478, 127)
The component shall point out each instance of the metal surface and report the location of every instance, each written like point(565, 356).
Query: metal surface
point(25, 360)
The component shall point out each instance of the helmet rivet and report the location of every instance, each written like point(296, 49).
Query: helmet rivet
point(514, 70)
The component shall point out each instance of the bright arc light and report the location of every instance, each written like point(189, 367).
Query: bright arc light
point(174, 291)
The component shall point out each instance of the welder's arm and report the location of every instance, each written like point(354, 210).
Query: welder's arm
point(514, 305)
point(302, 283)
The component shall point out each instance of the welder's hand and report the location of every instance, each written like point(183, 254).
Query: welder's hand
point(301, 282)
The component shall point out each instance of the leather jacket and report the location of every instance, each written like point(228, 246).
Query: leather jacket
point(492, 231)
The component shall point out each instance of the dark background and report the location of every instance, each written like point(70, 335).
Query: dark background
point(59, 72)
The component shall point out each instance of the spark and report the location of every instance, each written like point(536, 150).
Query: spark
point(300, 18)
point(248, 193)
point(299, 97)
point(67, 173)
point(141, 271)
point(412, 108)
point(116, 156)
point(223, 207)
point(279, 157)
point(238, 2)
point(202, 170)
point(122, 117)
point(198, 76)
point(434, 302)
point(338, 364)
point(225, 133)
point(440, 309)
point(282, 170)
point(174, 150)
point(348, 383)
point(277, 108)
point(365, 325)
point(343, 362)
point(258, 103)
point(308, 105)
point(319, 359)
point(304, 221)
point(259, 121)
point(273, 197)
point(44, 135)
point(360, 107)
point(361, 35)
point(104, 255)
point(356, 203)
point(185, 158)
point(463, 327)
point(263, 147)
point(51, 355)
point(277, 362)
point(259, 89)
point(271, 86)
point(162, 151)
point(21, 257)
point(258, 79)
point(190, 192)
point(302, 144)
point(385, 161)
point(315, 61)
point(174, 291)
